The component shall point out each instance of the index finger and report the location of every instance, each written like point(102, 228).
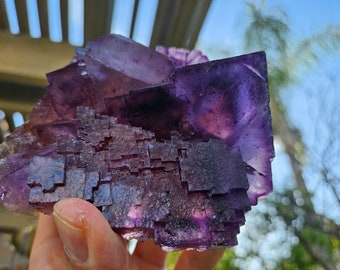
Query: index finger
point(199, 260)
point(47, 246)
point(150, 256)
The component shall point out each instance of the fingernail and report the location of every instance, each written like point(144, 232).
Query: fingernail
point(73, 238)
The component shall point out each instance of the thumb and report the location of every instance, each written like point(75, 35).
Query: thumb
point(89, 242)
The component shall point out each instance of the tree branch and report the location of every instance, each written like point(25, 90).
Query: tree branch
point(315, 255)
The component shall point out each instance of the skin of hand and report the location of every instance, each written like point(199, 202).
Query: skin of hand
point(77, 236)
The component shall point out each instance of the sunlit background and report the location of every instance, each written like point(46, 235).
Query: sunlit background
point(306, 177)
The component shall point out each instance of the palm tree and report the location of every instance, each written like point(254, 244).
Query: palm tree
point(318, 238)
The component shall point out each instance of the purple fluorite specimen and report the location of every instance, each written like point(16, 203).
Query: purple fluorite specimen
point(165, 149)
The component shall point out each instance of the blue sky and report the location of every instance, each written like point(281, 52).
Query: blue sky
point(227, 20)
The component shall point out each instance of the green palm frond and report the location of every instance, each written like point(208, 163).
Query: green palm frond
point(266, 32)
point(285, 60)
point(309, 50)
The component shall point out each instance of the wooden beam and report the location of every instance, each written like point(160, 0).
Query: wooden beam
point(178, 22)
point(21, 8)
point(165, 23)
point(26, 60)
point(189, 35)
point(3, 16)
point(134, 16)
point(98, 15)
point(64, 18)
point(43, 17)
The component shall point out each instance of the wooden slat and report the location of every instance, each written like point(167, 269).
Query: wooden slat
point(43, 17)
point(165, 22)
point(134, 16)
point(21, 8)
point(64, 18)
point(3, 16)
point(98, 15)
point(178, 22)
point(189, 34)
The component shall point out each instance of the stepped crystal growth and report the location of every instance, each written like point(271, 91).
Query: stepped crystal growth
point(167, 144)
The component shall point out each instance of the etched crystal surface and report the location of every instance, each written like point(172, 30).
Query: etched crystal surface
point(168, 146)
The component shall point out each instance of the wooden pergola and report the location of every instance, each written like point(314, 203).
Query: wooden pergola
point(24, 60)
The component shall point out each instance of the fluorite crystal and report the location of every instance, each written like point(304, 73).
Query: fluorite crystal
point(167, 145)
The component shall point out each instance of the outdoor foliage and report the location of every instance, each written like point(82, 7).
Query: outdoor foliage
point(304, 237)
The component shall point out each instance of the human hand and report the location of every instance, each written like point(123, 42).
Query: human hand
point(77, 236)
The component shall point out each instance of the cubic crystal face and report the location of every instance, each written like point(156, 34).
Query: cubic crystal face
point(165, 150)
